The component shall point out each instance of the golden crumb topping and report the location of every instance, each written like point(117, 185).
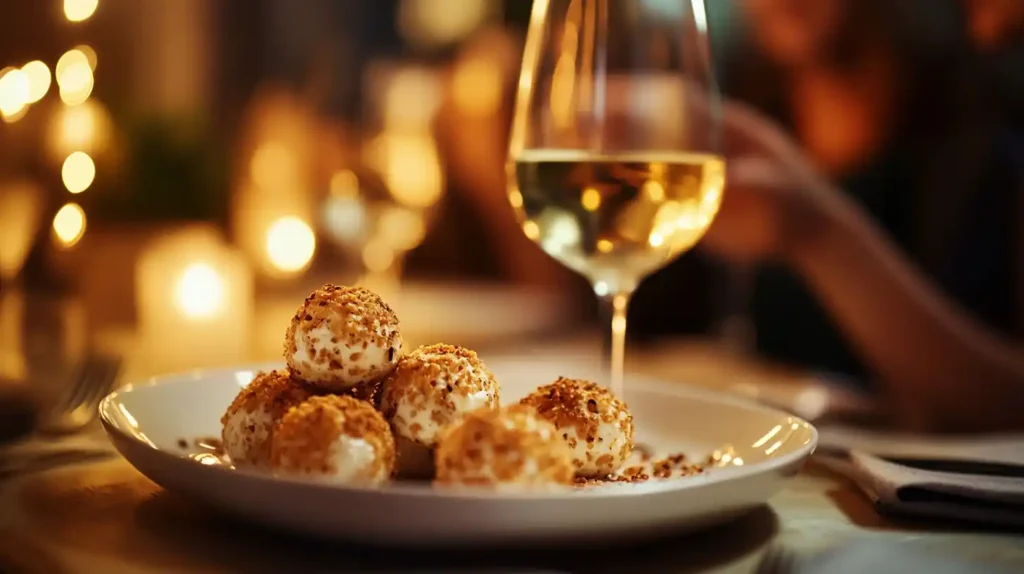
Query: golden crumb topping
point(346, 321)
point(277, 391)
point(306, 436)
point(273, 393)
point(585, 406)
point(503, 446)
point(434, 385)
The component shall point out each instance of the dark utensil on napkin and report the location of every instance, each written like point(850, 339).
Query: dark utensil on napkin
point(959, 466)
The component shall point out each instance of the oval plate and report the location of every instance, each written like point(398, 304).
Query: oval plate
point(147, 421)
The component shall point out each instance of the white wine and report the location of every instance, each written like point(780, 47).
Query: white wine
point(615, 218)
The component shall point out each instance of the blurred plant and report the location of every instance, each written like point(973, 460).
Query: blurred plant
point(171, 170)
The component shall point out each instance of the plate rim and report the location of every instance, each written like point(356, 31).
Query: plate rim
point(429, 491)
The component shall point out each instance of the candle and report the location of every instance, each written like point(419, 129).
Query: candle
point(195, 301)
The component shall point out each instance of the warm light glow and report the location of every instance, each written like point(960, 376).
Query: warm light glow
point(378, 256)
point(69, 224)
point(515, 198)
point(67, 59)
point(14, 93)
point(531, 229)
point(78, 128)
point(79, 10)
point(402, 228)
point(591, 199)
point(290, 244)
point(476, 85)
point(78, 172)
point(75, 81)
point(563, 81)
point(432, 23)
point(89, 53)
point(344, 183)
point(199, 293)
point(654, 191)
point(411, 98)
point(411, 168)
point(21, 208)
point(563, 84)
point(273, 166)
point(38, 76)
point(604, 246)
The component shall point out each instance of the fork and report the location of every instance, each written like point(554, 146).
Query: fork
point(79, 405)
point(778, 560)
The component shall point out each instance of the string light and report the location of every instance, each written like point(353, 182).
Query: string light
point(14, 93)
point(78, 172)
point(75, 82)
point(38, 76)
point(89, 53)
point(79, 10)
point(69, 224)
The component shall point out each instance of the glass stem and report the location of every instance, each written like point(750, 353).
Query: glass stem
point(617, 306)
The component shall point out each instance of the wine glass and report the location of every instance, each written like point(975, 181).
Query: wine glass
point(614, 165)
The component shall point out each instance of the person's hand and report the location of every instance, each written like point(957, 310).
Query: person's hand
point(774, 199)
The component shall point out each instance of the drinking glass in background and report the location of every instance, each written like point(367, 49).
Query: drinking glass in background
point(613, 163)
point(382, 195)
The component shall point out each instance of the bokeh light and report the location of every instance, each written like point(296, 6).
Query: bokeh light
point(69, 224)
point(38, 76)
point(402, 228)
point(290, 244)
point(432, 23)
point(14, 93)
point(378, 256)
point(78, 172)
point(411, 167)
point(411, 98)
point(199, 293)
point(89, 53)
point(344, 183)
point(75, 82)
point(85, 127)
point(273, 167)
point(79, 10)
point(477, 85)
point(72, 56)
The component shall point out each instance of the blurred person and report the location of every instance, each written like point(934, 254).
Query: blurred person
point(891, 228)
point(874, 184)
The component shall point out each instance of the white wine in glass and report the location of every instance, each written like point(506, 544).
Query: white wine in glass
point(614, 167)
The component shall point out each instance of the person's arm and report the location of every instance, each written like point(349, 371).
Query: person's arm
point(942, 369)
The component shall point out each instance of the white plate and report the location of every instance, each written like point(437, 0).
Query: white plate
point(146, 422)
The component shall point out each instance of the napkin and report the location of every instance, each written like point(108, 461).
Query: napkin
point(971, 479)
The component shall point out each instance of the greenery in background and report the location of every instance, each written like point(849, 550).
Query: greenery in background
point(170, 169)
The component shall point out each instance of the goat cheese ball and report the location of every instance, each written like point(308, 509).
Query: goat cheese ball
point(596, 425)
point(333, 437)
point(342, 337)
point(431, 388)
point(248, 424)
point(511, 447)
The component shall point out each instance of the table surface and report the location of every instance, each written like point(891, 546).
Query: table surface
point(106, 517)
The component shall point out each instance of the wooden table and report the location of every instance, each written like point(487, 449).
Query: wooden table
point(106, 517)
